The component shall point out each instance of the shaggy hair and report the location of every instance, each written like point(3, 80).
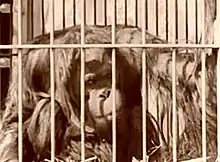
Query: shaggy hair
point(36, 98)
point(36, 90)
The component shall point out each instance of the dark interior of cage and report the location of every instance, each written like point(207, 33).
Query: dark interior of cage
point(5, 54)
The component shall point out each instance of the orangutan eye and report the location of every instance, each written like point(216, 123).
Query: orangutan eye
point(91, 81)
point(90, 78)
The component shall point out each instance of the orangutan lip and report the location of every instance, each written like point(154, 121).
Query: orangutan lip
point(106, 115)
point(102, 109)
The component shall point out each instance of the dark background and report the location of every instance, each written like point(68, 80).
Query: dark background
point(5, 38)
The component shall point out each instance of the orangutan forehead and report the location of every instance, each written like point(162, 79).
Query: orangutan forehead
point(95, 54)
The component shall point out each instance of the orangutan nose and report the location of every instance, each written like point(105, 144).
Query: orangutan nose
point(105, 94)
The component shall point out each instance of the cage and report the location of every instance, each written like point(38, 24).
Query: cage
point(174, 39)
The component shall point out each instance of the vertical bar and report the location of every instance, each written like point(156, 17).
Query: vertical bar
point(95, 12)
point(203, 57)
point(218, 104)
point(32, 19)
point(144, 83)
point(11, 32)
point(157, 18)
point(174, 111)
point(196, 20)
point(167, 20)
point(136, 13)
point(176, 41)
point(187, 35)
point(1, 91)
point(64, 15)
point(20, 144)
point(217, 40)
point(146, 18)
point(176, 23)
point(82, 83)
point(105, 10)
point(74, 12)
point(30, 25)
point(203, 78)
point(52, 83)
point(126, 12)
point(196, 25)
point(42, 17)
point(174, 124)
point(114, 81)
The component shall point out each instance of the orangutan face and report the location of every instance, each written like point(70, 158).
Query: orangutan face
point(98, 91)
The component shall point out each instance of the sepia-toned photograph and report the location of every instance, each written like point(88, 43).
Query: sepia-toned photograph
point(109, 81)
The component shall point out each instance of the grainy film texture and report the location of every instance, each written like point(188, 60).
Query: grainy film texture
point(109, 80)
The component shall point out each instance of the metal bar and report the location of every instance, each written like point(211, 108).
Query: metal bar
point(82, 81)
point(144, 83)
point(136, 13)
point(20, 138)
point(113, 29)
point(64, 15)
point(32, 19)
point(42, 17)
point(157, 18)
point(174, 110)
point(176, 22)
point(1, 90)
point(126, 12)
point(35, 46)
point(174, 121)
point(95, 12)
point(105, 11)
point(166, 21)
point(203, 79)
point(218, 104)
point(30, 25)
point(105, 15)
point(11, 32)
point(203, 57)
point(74, 12)
point(187, 34)
point(217, 41)
point(5, 7)
point(5, 64)
point(52, 83)
point(196, 20)
point(146, 18)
